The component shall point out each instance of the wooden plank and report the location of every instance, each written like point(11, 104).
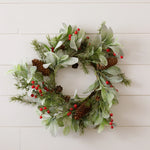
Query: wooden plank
point(120, 138)
point(9, 138)
point(72, 1)
point(40, 18)
point(139, 74)
point(19, 48)
point(131, 111)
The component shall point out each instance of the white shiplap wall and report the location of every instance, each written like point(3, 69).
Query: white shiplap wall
point(23, 21)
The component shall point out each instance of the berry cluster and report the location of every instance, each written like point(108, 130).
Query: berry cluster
point(109, 50)
point(111, 121)
point(37, 89)
point(71, 109)
point(75, 32)
point(43, 110)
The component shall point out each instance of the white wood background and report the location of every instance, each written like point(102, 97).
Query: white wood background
point(23, 21)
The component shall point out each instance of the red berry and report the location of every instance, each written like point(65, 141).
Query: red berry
point(111, 114)
point(48, 111)
point(117, 90)
point(121, 57)
point(87, 37)
point(112, 120)
point(32, 82)
point(69, 38)
point(107, 82)
point(40, 91)
point(75, 32)
point(69, 113)
point(32, 86)
point(71, 109)
point(45, 88)
point(89, 43)
point(36, 87)
point(110, 123)
point(45, 108)
point(112, 127)
point(78, 29)
point(111, 86)
point(42, 82)
point(41, 117)
point(35, 96)
point(41, 109)
point(69, 35)
point(79, 48)
point(41, 94)
point(108, 50)
point(32, 95)
point(114, 54)
point(75, 106)
point(52, 49)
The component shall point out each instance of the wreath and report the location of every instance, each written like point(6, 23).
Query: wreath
point(72, 47)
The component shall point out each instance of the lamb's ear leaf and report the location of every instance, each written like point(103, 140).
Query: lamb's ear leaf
point(58, 44)
point(46, 65)
point(92, 87)
point(70, 61)
point(81, 36)
point(103, 60)
point(51, 58)
point(63, 58)
point(114, 70)
point(73, 43)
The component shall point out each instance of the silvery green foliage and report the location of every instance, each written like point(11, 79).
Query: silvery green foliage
point(54, 60)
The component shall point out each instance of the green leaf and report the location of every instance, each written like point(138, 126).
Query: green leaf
point(117, 50)
point(101, 128)
point(115, 79)
point(103, 60)
point(69, 61)
point(51, 58)
point(92, 87)
point(97, 41)
point(60, 122)
point(58, 44)
point(102, 125)
point(66, 130)
point(114, 70)
point(81, 35)
point(63, 58)
point(33, 69)
point(73, 44)
point(107, 96)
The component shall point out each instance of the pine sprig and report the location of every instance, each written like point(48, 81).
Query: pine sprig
point(125, 80)
point(22, 99)
point(39, 48)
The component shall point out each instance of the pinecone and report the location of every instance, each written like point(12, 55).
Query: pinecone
point(111, 62)
point(40, 68)
point(67, 98)
point(58, 89)
point(82, 110)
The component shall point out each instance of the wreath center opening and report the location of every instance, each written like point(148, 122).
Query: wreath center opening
point(75, 80)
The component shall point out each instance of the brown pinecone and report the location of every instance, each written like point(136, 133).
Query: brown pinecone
point(67, 98)
point(82, 110)
point(58, 89)
point(40, 68)
point(111, 62)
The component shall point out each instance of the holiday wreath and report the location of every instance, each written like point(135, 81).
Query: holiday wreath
point(72, 47)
